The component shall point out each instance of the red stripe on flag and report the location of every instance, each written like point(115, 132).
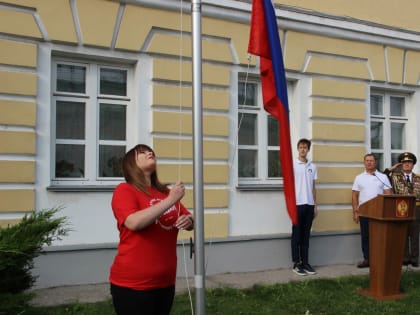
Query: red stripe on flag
point(264, 42)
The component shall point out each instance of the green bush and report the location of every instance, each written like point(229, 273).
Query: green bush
point(15, 303)
point(21, 243)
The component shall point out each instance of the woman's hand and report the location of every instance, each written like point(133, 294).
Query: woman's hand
point(177, 192)
point(141, 219)
point(185, 222)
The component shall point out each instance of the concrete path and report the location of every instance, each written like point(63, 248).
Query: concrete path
point(91, 293)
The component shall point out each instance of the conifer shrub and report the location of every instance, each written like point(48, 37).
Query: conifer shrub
point(15, 304)
point(20, 244)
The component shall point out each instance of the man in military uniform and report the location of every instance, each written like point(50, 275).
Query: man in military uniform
point(405, 182)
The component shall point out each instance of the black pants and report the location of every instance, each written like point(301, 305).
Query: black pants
point(364, 233)
point(301, 233)
point(138, 302)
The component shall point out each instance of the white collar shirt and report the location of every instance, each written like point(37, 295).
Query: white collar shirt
point(370, 185)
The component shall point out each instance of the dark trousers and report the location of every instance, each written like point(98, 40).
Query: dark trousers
point(301, 233)
point(364, 233)
point(412, 243)
point(138, 302)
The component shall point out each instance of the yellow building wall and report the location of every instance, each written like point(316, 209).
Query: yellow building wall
point(216, 226)
point(213, 173)
point(17, 53)
point(213, 198)
point(16, 142)
point(333, 196)
point(55, 15)
point(338, 132)
point(412, 68)
point(18, 83)
point(97, 21)
point(173, 114)
point(341, 71)
point(17, 200)
point(335, 221)
point(334, 56)
point(337, 175)
point(18, 89)
point(179, 123)
point(17, 171)
point(97, 29)
point(20, 23)
point(181, 97)
point(18, 113)
point(338, 109)
point(143, 19)
point(395, 65)
point(385, 13)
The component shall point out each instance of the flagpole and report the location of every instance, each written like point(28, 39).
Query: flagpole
point(199, 277)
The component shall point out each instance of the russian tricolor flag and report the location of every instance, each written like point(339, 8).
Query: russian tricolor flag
point(264, 42)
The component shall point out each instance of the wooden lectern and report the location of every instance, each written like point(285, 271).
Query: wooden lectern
point(389, 217)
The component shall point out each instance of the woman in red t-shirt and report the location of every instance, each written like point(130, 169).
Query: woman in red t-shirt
point(149, 216)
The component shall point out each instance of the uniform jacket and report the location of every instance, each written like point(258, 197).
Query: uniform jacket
point(400, 186)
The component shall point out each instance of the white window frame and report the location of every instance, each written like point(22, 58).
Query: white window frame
point(262, 147)
point(388, 154)
point(93, 99)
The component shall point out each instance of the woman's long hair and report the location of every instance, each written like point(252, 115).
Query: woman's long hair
point(135, 176)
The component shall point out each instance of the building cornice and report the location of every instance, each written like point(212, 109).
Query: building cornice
point(300, 20)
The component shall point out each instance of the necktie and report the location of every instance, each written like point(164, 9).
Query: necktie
point(408, 178)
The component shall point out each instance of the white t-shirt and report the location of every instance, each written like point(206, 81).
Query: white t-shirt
point(370, 185)
point(305, 175)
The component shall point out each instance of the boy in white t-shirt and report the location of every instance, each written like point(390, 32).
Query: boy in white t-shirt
point(305, 175)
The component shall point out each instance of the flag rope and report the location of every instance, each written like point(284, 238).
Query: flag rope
point(235, 147)
point(180, 126)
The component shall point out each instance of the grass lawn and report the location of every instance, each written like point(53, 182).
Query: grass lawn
point(308, 297)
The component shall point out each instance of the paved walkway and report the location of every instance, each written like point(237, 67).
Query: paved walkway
point(99, 292)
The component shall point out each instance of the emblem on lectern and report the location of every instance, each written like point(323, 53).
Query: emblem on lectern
point(402, 209)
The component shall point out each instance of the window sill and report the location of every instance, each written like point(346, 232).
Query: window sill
point(259, 187)
point(80, 188)
point(105, 188)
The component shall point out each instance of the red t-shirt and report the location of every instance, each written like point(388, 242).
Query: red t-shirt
point(146, 259)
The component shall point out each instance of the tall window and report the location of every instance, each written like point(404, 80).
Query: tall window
point(89, 122)
point(258, 138)
point(388, 124)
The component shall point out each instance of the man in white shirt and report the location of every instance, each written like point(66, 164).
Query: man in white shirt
point(366, 186)
point(305, 175)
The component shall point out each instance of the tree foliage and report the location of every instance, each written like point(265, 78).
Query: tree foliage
point(21, 243)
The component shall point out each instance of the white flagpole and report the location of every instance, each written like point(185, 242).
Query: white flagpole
point(199, 277)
